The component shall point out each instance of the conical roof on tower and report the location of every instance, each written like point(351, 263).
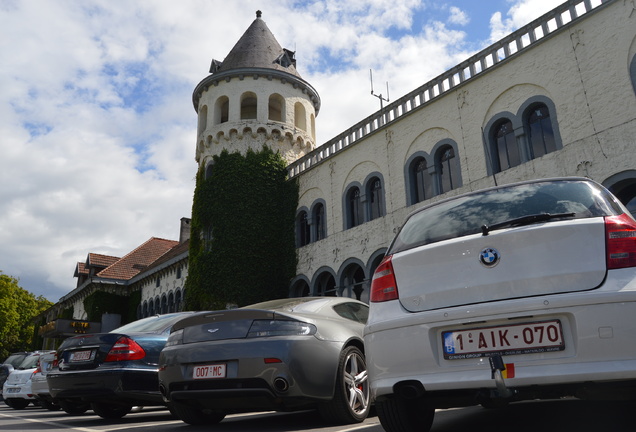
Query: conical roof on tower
point(258, 48)
point(257, 53)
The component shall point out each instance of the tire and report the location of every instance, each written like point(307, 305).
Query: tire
point(18, 404)
point(350, 403)
point(110, 411)
point(195, 416)
point(405, 415)
point(74, 408)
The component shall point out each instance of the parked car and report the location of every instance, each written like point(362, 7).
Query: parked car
point(39, 385)
point(17, 390)
point(523, 291)
point(10, 363)
point(112, 372)
point(287, 354)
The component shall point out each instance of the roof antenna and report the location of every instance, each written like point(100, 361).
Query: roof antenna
point(379, 96)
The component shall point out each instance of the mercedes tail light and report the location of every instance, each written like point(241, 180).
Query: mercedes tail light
point(125, 349)
point(620, 240)
point(383, 285)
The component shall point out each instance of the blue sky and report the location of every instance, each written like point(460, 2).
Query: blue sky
point(97, 127)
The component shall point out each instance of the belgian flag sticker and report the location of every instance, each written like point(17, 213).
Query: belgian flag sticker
point(509, 371)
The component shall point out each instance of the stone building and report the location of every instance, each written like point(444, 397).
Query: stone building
point(554, 98)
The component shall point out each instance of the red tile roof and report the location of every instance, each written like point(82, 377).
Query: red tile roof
point(98, 260)
point(138, 260)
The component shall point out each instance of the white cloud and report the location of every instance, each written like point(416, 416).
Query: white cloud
point(520, 13)
point(457, 16)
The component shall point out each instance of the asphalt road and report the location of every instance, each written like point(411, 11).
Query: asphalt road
point(545, 416)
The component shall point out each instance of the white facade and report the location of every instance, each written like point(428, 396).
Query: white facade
point(578, 62)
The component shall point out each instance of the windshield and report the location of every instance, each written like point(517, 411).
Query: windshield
point(467, 214)
point(153, 324)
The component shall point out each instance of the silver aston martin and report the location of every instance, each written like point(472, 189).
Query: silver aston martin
point(282, 355)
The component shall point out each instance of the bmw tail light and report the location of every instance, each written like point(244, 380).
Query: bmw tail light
point(383, 285)
point(125, 349)
point(620, 238)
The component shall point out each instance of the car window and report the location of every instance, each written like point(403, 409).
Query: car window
point(467, 214)
point(30, 362)
point(15, 359)
point(353, 311)
point(157, 323)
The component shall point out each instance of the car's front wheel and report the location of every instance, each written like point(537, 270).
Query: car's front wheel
point(110, 411)
point(350, 403)
point(196, 416)
point(405, 415)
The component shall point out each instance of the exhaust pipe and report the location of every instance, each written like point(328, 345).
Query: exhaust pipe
point(409, 389)
point(281, 385)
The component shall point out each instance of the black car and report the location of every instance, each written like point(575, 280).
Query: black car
point(112, 372)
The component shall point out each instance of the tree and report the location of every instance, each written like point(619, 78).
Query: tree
point(242, 248)
point(18, 308)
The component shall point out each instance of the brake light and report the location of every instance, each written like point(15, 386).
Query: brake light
point(125, 349)
point(383, 285)
point(620, 240)
point(55, 364)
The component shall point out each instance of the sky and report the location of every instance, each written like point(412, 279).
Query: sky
point(97, 126)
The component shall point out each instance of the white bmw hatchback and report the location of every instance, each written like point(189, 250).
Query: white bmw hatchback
point(518, 292)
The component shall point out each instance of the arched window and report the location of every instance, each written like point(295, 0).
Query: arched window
point(376, 197)
point(151, 308)
point(421, 186)
point(171, 303)
point(540, 133)
point(248, 106)
point(203, 119)
point(276, 105)
point(354, 208)
point(447, 169)
point(221, 110)
point(302, 229)
point(506, 151)
point(208, 171)
point(300, 119)
point(320, 228)
point(177, 301)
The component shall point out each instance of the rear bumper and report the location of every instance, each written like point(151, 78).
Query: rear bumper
point(135, 386)
point(599, 354)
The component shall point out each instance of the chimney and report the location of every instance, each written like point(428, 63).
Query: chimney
point(184, 232)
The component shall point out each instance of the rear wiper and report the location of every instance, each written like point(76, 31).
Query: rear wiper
point(524, 220)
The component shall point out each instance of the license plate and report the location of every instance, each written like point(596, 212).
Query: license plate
point(209, 371)
point(534, 337)
point(14, 390)
point(81, 356)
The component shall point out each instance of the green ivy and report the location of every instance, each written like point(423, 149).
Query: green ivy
point(101, 302)
point(67, 313)
point(242, 247)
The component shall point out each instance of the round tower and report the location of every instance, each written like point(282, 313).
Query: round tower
point(255, 97)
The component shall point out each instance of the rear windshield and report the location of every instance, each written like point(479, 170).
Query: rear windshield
point(465, 215)
point(153, 324)
point(30, 362)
